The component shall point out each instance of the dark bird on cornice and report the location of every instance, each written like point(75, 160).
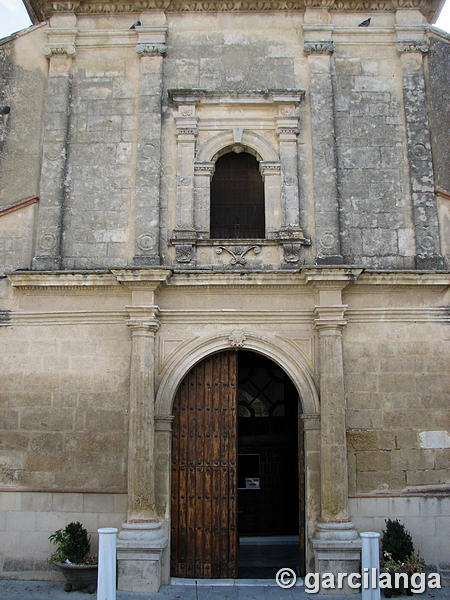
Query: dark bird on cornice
point(365, 23)
point(137, 24)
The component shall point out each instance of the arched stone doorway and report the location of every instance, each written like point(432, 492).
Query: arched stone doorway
point(237, 468)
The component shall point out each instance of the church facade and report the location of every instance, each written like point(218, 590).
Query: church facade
point(224, 244)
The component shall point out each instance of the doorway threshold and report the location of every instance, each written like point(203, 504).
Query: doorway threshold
point(229, 582)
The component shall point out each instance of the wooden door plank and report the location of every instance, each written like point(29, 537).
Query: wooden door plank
point(204, 471)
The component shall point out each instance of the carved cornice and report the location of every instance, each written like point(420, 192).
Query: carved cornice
point(412, 46)
point(323, 47)
point(40, 10)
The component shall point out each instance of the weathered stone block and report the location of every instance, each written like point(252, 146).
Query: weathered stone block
point(373, 461)
point(362, 440)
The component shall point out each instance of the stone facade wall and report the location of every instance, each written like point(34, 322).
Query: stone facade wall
point(425, 517)
point(102, 146)
point(16, 238)
point(218, 52)
point(439, 82)
point(23, 80)
point(376, 225)
point(397, 387)
point(64, 400)
point(28, 518)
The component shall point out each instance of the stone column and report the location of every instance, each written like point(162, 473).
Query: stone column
point(144, 324)
point(424, 205)
point(60, 49)
point(151, 49)
point(203, 172)
point(184, 234)
point(142, 540)
point(326, 196)
point(336, 544)
point(287, 130)
point(270, 171)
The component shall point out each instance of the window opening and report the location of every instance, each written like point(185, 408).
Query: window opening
point(237, 198)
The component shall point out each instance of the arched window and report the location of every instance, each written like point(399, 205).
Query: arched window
point(237, 198)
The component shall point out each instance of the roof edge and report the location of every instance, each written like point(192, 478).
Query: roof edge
point(40, 10)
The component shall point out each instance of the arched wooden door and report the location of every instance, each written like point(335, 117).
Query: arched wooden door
point(204, 471)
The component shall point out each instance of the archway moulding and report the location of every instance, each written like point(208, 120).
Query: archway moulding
point(220, 143)
point(200, 348)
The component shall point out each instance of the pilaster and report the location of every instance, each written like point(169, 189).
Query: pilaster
point(336, 544)
point(59, 49)
point(151, 49)
point(412, 47)
point(203, 172)
point(270, 172)
point(319, 49)
point(142, 540)
point(287, 131)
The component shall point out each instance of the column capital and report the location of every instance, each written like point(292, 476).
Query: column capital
point(61, 35)
point(204, 168)
point(151, 40)
point(319, 47)
point(329, 320)
point(311, 421)
point(143, 320)
point(287, 128)
point(412, 46)
point(269, 167)
point(186, 128)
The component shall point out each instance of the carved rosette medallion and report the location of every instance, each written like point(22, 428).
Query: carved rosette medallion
point(145, 242)
point(47, 241)
point(321, 47)
point(237, 338)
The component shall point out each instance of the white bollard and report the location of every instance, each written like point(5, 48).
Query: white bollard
point(106, 581)
point(370, 565)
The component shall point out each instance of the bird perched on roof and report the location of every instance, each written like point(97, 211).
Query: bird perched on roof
point(365, 23)
point(137, 24)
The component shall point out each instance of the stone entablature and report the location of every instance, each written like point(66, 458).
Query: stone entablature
point(42, 9)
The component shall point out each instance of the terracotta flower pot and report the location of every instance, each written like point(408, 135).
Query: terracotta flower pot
point(79, 577)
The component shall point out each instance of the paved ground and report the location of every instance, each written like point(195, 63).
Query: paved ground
point(50, 590)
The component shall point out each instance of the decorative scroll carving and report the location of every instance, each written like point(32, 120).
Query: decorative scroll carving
point(238, 253)
point(412, 46)
point(237, 338)
point(324, 47)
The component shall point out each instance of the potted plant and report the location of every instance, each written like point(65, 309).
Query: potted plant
point(399, 557)
point(73, 557)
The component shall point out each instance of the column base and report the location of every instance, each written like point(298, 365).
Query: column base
point(337, 549)
point(46, 263)
point(140, 553)
point(151, 260)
